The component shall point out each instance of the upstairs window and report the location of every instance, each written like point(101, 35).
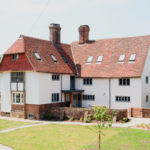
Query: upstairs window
point(87, 81)
point(121, 58)
point(124, 82)
point(147, 79)
point(54, 58)
point(89, 97)
point(15, 56)
point(132, 57)
point(55, 97)
point(147, 98)
point(65, 60)
point(55, 77)
point(37, 56)
point(122, 98)
point(89, 60)
point(17, 76)
point(99, 59)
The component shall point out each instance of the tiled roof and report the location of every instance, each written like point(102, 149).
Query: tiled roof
point(44, 48)
point(111, 49)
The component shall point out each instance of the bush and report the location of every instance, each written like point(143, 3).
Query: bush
point(48, 117)
point(125, 119)
point(71, 119)
point(81, 119)
point(88, 119)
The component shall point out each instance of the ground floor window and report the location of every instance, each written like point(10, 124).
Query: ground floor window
point(89, 97)
point(17, 97)
point(123, 98)
point(55, 97)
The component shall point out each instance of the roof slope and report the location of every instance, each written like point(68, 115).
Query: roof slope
point(45, 48)
point(111, 49)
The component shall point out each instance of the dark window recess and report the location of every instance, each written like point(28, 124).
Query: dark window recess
point(87, 81)
point(15, 56)
point(17, 76)
point(124, 81)
point(122, 99)
point(55, 77)
point(89, 97)
point(65, 60)
point(147, 79)
point(72, 82)
point(55, 97)
point(147, 98)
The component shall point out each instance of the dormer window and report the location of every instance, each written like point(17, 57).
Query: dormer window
point(54, 58)
point(132, 57)
point(99, 59)
point(65, 60)
point(121, 58)
point(37, 56)
point(15, 56)
point(89, 60)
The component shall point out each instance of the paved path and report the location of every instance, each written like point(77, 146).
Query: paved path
point(2, 147)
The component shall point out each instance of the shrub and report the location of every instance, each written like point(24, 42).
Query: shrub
point(48, 117)
point(81, 119)
point(125, 119)
point(71, 119)
point(88, 119)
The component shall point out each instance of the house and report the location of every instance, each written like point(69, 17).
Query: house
point(37, 74)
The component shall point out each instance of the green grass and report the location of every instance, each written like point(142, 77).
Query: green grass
point(71, 137)
point(5, 124)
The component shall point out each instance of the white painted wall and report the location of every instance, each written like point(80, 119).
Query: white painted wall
point(99, 88)
point(146, 87)
point(5, 92)
point(40, 86)
point(134, 91)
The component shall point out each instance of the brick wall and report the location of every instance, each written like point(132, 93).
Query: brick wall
point(140, 112)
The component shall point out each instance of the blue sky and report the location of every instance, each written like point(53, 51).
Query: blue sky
point(106, 18)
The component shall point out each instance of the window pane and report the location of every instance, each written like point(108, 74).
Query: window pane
point(121, 58)
point(132, 57)
point(37, 56)
point(99, 59)
point(17, 97)
point(89, 60)
point(53, 58)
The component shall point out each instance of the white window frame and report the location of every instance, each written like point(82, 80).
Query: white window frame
point(132, 57)
point(99, 59)
point(54, 58)
point(121, 58)
point(36, 54)
point(14, 98)
point(89, 60)
point(15, 57)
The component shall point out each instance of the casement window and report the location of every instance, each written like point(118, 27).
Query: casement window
point(37, 56)
point(89, 97)
point(18, 98)
point(147, 79)
point(55, 77)
point(132, 57)
point(17, 76)
point(121, 58)
point(147, 98)
point(89, 60)
point(122, 98)
point(99, 60)
point(124, 81)
point(54, 58)
point(55, 97)
point(15, 56)
point(87, 81)
point(65, 60)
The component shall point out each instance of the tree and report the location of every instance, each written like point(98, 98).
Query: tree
point(104, 120)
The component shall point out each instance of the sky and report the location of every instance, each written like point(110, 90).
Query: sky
point(106, 19)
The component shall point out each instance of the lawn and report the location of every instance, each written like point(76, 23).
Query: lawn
point(5, 124)
point(71, 137)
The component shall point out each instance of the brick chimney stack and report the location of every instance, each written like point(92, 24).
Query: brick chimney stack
point(83, 34)
point(55, 33)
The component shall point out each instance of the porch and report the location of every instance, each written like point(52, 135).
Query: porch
point(73, 98)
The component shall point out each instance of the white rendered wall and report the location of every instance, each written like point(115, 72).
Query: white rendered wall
point(40, 86)
point(5, 92)
point(99, 88)
point(134, 91)
point(146, 87)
